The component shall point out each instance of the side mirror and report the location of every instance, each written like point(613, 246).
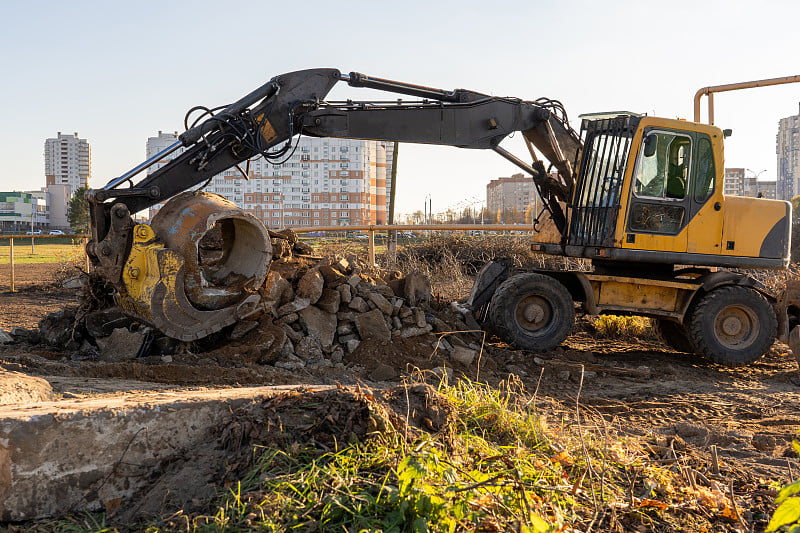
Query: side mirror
point(650, 144)
point(727, 133)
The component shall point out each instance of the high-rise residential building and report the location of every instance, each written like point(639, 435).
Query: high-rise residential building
point(788, 152)
point(67, 161)
point(512, 200)
point(322, 182)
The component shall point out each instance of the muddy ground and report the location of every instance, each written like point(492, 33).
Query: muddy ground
point(681, 405)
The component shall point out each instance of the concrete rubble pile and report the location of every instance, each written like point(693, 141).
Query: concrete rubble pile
point(327, 309)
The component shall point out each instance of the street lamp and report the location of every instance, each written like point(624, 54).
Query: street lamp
point(755, 176)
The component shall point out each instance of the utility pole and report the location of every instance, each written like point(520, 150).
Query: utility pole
point(392, 244)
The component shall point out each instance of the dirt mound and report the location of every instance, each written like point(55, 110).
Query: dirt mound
point(302, 419)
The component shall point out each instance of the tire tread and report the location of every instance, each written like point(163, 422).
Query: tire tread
point(704, 345)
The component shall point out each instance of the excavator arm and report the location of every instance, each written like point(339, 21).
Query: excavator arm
point(160, 271)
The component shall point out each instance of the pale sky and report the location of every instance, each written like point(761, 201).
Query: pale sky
point(117, 73)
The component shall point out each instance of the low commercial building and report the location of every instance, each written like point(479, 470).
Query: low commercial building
point(23, 211)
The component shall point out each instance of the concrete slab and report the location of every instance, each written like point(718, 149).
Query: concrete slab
point(87, 453)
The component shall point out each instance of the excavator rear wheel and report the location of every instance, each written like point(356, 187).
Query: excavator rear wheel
point(673, 334)
point(532, 312)
point(733, 326)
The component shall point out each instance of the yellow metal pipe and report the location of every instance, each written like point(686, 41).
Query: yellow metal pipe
point(46, 236)
point(709, 91)
point(11, 251)
point(371, 254)
point(420, 227)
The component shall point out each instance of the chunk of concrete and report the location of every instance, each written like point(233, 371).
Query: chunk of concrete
point(381, 303)
point(419, 318)
point(121, 345)
point(5, 338)
point(321, 325)
point(56, 329)
point(275, 287)
point(333, 278)
point(329, 301)
point(310, 286)
point(345, 292)
point(372, 326)
point(309, 350)
point(242, 328)
point(358, 304)
point(416, 289)
point(298, 304)
point(352, 344)
point(465, 356)
point(75, 282)
point(414, 331)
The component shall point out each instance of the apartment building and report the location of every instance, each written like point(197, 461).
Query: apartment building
point(67, 161)
point(734, 182)
point(508, 199)
point(322, 182)
point(788, 152)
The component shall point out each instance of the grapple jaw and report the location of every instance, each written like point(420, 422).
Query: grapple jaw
point(197, 268)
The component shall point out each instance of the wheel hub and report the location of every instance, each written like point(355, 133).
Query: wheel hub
point(736, 327)
point(533, 313)
point(732, 326)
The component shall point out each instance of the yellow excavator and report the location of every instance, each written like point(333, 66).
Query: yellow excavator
point(640, 197)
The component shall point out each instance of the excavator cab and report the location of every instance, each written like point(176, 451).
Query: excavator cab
point(650, 190)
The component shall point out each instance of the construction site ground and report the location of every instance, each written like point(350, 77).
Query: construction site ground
point(672, 400)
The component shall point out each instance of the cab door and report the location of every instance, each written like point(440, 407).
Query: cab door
point(706, 215)
point(660, 202)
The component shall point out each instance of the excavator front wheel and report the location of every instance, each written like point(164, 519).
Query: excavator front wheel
point(532, 312)
point(733, 325)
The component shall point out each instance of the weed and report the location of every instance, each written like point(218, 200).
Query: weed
point(614, 326)
point(496, 467)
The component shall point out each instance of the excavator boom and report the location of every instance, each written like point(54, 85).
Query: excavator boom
point(161, 277)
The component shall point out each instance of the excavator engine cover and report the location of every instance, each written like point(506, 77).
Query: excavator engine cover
point(196, 268)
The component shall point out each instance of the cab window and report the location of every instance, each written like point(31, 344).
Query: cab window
point(663, 167)
point(706, 172)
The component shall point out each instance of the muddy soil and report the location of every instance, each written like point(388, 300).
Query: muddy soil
point(684, 407)
point(38, 292)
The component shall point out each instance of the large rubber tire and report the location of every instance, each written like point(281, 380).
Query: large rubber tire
point(673, 334)
point(733, 326)
point(532, 312)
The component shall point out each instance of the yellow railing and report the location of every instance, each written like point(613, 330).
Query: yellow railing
point(10, 239)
